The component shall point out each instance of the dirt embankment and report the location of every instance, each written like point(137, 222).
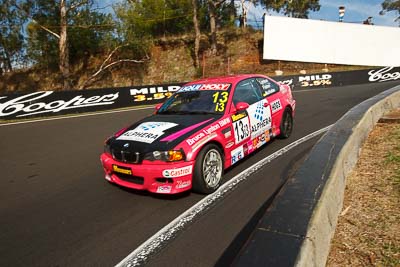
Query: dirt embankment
point(171, 60)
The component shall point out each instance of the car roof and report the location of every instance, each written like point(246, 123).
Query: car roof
point(232, 79)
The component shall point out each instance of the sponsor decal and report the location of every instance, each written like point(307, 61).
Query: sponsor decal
point(268, 135)
point(261, 140)
point(237, 154)
point(147, 132)
point(224, 122)
point(172, 173)
point(227, 132)
point(276, 106)
point(208, 131)
point(245, 149)
point(183, 184)
point(269, 92)
point(255, 143)
point(250, 147)
point(383, 75)
point(260, 125)
point(229, 145)
point(273, 131)
point(260, 119)
point(211, 129)
point(153, 93)
point(287, 82)
point(195, 139)
point(215, 86)
point(122, 170)
point(315, 80)
point(238, 116)
point(23, 104)
point(265, 83)
point(189, 88)
point(164, 189)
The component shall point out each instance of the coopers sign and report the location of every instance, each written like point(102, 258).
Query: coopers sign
point(384, 75)
point(35, 103)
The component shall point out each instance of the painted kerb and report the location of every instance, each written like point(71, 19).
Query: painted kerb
point(315, 248)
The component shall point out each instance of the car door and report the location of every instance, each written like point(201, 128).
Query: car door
point(271, 91)
point(258, 115)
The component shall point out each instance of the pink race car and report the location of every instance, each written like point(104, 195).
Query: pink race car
point(202, 129)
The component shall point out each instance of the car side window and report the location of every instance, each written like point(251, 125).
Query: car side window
point(268, 86)
point(247, 91)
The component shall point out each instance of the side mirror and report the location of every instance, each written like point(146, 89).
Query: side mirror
point(241, 106)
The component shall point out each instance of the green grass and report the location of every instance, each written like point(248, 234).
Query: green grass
point(387, 252)
point(392, 157)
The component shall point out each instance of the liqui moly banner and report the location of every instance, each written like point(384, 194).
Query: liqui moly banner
point(53, 103)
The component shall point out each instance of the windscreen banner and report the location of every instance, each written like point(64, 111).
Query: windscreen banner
point(55, 103)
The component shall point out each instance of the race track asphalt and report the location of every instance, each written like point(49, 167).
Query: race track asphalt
point(57, 210)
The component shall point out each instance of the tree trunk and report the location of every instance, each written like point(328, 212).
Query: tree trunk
point(63, 47)
point(244, 15)
point(213, 26)
point(197, 34)
point(7, 61)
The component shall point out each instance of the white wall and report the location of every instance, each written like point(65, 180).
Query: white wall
point(330, 42)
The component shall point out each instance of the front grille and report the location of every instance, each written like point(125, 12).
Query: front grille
point(126, 156)
point(130, 178)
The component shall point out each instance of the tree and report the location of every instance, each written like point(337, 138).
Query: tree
point(64, 32)
point(11, 36)
point(391, 5)
point(244, 5)
point(197, 34)
point(296, 9)
point(218, 11)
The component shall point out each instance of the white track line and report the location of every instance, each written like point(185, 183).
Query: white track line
point(74, 116)
point(140, 255)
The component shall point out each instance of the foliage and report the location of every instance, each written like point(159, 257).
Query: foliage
point(296, 9)
point(11, 37)
point(88, 32)
point(391, 5)
point(42, 47)
point(154, 17)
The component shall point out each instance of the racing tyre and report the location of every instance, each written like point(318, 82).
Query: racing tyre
point(286, 126)
point(208, 170)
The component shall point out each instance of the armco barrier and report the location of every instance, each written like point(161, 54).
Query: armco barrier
point(49, 103)
point(297, 230)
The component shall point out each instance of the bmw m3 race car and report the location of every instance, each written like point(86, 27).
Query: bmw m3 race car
point(202, 129)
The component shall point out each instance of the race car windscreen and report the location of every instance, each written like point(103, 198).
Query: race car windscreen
point(198, 99)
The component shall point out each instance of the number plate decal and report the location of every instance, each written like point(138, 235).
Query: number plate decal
point(242, 129)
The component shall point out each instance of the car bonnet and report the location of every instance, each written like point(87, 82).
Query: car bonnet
point(160, 132)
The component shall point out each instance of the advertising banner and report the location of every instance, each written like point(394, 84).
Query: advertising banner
point(52, 103)
point(330, 42)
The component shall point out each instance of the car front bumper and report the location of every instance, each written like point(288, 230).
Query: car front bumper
point(164, 178)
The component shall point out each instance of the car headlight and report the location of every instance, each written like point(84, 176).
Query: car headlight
point(170, 155)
